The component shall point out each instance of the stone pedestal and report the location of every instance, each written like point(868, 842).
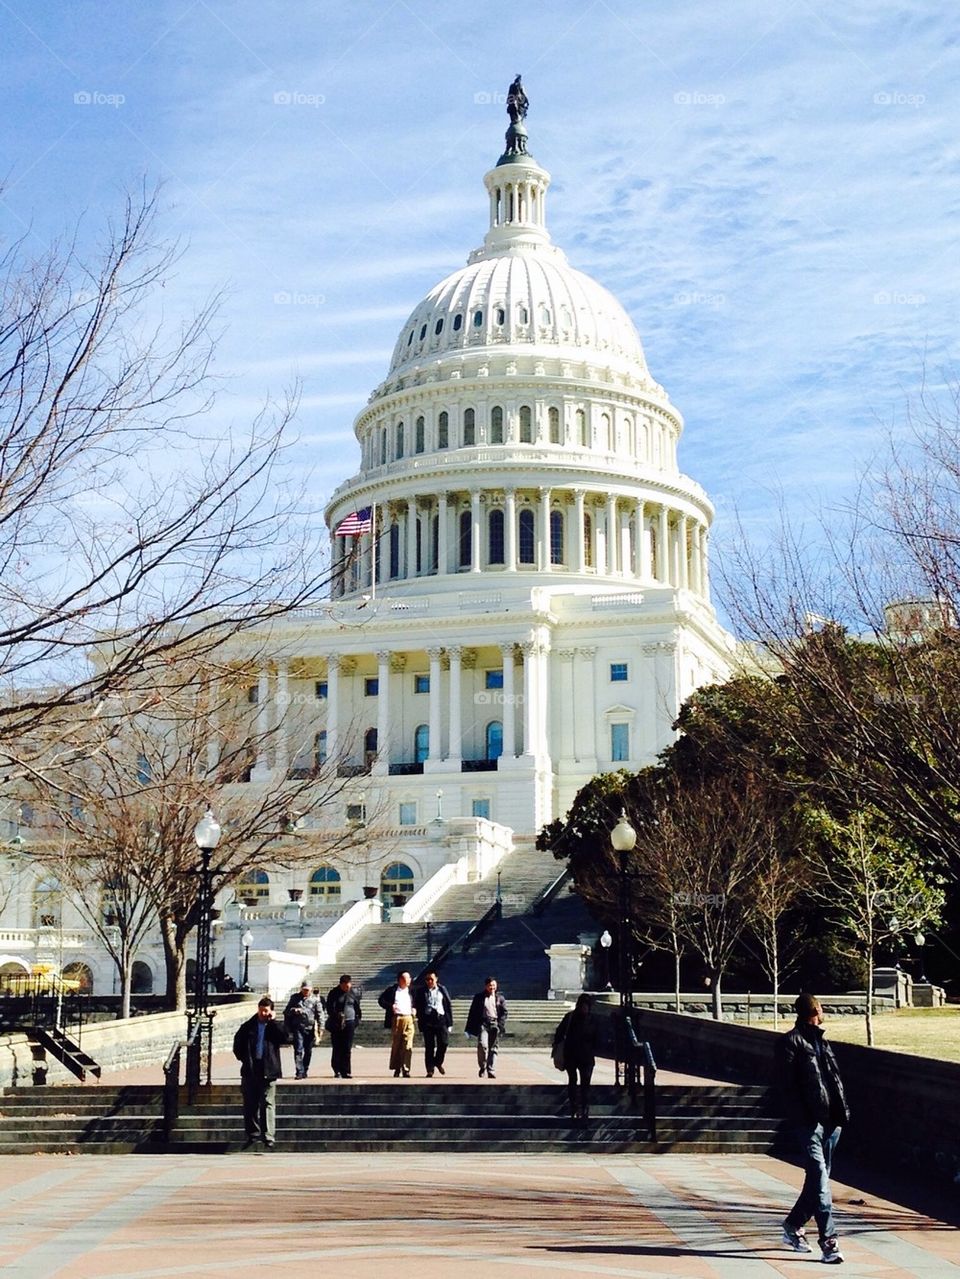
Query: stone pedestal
point(926, 995)
point(568, 968)
point(893, 984)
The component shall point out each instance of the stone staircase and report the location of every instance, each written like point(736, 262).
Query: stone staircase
point(96, 1119)
point(512, 948)
point(445, 1118)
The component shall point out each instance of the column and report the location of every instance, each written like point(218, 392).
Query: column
point(529, 696)
point(434, 751)
point(443, 549)
point(411, 537)
point(626, 558)
point(283, 721)
point(455, 748)
point(600, 547)
point(476, 526)
point(684, 579)
point(705, 560)
point(262, 720)
point(566, 736)
point(696, 549)
point(382, 763)
point(612, 564)
point(587, 722)
point(333, 708)
point(509, 703)
point(576, 559)
point(663, 546)
point(543, 538)
point(510, 530)
point(639, 570)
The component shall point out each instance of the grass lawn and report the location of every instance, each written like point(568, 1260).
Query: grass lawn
point(927, 1032)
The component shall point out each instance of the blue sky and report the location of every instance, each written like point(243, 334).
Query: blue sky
point(770, 188)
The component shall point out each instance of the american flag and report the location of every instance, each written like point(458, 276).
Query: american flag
point(355, 524)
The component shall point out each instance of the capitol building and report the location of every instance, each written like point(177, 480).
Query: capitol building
point(521, 584)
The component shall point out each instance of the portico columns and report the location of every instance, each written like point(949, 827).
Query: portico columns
point(283, 723)
point(455, 748)
point(585, 747)
point(411, 537)
point(262, 723)
point(382, 762)
point(612, 564)
point(663, 546)
point(509, 703)
point(543, 540)
point(683, 554)
point(333, 708)
point(434, 746)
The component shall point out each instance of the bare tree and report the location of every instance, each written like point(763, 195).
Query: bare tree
point(132, 805)
point(129, 525)
point(874, 885)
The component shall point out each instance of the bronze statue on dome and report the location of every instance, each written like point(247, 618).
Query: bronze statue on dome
point(517, 105)
point(517, 101)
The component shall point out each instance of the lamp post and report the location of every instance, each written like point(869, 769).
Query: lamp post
point(206, 835)
point(624, 839)
point(606, 941)
point(428, 924)
point(246, 941)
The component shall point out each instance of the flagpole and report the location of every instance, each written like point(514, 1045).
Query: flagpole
point(373, 551)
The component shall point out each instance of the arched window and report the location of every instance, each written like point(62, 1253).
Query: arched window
point(545, 316)
point(394, 550)
point(526, 424)
point(554, 419)
point(443, 430)
point(325, 883)
point(421, 743)
point(370, 746)
point(501, 315)
point(606, 430)
point(588, 541)
point(396, 883)
point(556, 537)
point(141, 978)
point(466, 538)
point(527, 544)
point(493, 740)
point(457, 323)
point(399, 452)
point(254, 884)
point(438, 327)
point(469, 427)
point(47, 902)
point(496, 425)
point(418, 439)
point(383, 447)
point(495, 537)
point(478, 319)
point(79, 977)
point(583, 434)
point(523, 315)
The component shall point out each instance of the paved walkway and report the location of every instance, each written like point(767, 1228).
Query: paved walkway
point(361, 1216)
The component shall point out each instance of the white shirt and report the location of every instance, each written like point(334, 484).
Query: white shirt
point(402, 1003)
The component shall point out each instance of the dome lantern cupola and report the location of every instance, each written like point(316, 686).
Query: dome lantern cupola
point(517, 187)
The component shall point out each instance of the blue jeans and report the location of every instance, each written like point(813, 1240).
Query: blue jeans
point(302, 1050)
point(816, 1147)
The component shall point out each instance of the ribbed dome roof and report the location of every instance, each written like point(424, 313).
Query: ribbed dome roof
point(526, 296)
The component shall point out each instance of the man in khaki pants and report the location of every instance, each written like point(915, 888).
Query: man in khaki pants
point(397, 1003)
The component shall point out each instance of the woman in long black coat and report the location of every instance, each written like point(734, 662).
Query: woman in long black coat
point(578, 1032)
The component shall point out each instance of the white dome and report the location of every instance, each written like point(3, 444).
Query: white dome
point(532, 298)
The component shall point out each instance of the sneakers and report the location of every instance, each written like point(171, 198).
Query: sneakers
point(796, 1239)
point(830, 1253)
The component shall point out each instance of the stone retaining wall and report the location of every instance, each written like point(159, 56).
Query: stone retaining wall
point(114, 1045)
point(904, 1107)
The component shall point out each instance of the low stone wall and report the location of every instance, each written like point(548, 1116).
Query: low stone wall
point(904, 1109)
point(114, 1045)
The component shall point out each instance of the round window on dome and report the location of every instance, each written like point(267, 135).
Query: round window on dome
point(457, 323)
point(501, 315)
point(438, 327)
point(423, 332)
point(410, 338)
point(478, 319)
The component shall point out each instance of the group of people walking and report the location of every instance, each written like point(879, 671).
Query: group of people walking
point(807, 1075)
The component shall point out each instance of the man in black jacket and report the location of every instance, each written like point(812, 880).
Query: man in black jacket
point(816, 1109)
point(486, 1021)
point(431, 1003)
point(256, 1046)
point(343, 1018)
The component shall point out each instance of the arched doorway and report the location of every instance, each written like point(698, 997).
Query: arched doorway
point(79, 976)
point(396, 883)
point(141, 978)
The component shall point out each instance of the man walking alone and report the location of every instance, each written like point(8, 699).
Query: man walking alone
point(486, 1020)
point(816, 1109)
point(256, 1046)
